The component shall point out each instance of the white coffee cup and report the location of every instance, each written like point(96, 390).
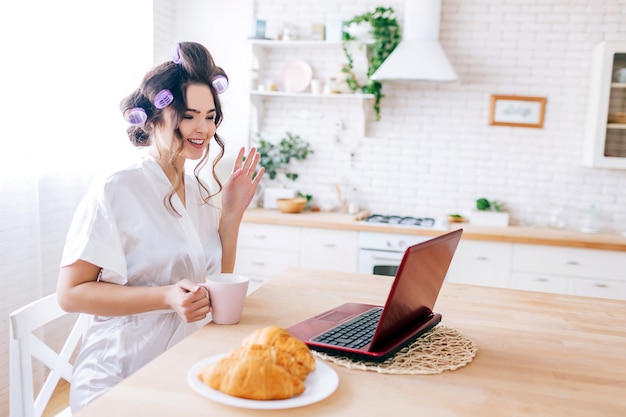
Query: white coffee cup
point(316, 86)
point(227, 293)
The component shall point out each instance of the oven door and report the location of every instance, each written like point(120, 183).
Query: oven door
point(379, 262)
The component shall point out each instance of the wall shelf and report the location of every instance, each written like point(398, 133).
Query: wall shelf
point(261, 49)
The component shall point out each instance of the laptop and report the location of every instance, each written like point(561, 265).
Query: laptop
point(407, 314)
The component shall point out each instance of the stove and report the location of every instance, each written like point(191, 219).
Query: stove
point(380, 253)
point(408, 221)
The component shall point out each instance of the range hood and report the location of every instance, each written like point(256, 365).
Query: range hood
point(419, 56)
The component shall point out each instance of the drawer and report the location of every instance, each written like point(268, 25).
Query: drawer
point(598, 288)
point(539, 282)
point(335, 250)
point(252, 235)
point(263, 263)
point(573, 262)
point(481, 263)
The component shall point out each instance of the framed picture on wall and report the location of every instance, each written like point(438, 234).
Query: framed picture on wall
point(517, 111)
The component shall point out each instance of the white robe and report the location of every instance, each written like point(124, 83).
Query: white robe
point(122, 226)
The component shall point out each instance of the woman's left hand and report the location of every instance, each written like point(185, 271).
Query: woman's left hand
point(240, 187)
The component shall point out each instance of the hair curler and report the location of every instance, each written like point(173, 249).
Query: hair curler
point(220, 83)
point(176, 58)
point(163, 99)
point(136, 116)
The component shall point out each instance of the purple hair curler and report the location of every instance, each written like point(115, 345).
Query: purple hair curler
point(176, 58)
point(220, 83)
point(163, 99)
point(136, 116)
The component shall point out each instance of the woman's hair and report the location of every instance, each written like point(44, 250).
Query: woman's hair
point(191, 63)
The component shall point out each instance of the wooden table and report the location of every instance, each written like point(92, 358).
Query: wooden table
point(538, 354)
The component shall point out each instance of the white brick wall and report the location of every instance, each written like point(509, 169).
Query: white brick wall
point(433, 151)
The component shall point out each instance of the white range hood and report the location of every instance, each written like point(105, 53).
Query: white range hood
point(419, 56)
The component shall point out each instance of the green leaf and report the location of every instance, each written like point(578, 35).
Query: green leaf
point(386, 32)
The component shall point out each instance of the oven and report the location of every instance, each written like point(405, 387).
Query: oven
point(380, 253)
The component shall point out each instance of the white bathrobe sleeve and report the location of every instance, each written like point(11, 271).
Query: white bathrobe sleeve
point(94, 237)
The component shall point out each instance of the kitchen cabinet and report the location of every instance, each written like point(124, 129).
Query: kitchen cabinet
point(605, 138)
point(481, 263)
point(265, 250)
point(576, 271)
point(325, 58)
point(334, 250)
point(584, 264)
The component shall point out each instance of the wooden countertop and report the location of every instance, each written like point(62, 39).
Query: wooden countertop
point(515, 234)
point(538, 355)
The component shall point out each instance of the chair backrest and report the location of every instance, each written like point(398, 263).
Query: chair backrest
point(26, 345)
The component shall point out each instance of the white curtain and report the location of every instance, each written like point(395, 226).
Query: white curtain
point(65, 66)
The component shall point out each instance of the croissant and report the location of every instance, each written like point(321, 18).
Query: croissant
point(272, 354)
point(251, 377)
point(283, 340)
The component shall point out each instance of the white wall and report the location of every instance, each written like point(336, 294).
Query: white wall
point(433, 151)
point(65, 67)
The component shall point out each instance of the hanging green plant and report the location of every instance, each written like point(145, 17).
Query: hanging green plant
point(386, 33)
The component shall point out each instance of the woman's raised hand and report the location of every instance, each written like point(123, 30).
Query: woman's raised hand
point(240, 187)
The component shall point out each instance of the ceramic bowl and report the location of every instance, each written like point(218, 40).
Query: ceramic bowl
point(291, 205)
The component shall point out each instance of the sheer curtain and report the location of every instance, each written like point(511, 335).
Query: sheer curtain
point(65, 65)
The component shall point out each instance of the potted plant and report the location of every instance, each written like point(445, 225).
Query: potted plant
point(489, 213)
point(276, 158)
point(380, 30)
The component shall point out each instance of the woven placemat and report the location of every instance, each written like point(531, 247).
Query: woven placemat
point(440, 349)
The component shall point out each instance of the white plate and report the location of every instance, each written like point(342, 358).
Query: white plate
point(295, 76)
point(319, 384)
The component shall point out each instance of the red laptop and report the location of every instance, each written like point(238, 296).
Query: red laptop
point(370, 332)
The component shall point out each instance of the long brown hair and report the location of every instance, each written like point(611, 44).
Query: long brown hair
point(194, 65)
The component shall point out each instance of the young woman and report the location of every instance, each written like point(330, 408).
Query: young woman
point(144, 237)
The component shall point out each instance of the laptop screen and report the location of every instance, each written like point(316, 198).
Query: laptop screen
point(416, 287)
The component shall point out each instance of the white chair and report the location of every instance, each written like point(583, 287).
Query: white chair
point(25, 345)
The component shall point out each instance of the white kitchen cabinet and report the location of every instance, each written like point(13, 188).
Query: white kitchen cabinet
point(539, 282)
point(325, 59)
point(335, 250)
point(577, 271)
point(605, 139)
point(265, 250)
point(597, 288)
point(481, 263)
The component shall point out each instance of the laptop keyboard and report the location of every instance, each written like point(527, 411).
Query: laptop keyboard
point(354, 333)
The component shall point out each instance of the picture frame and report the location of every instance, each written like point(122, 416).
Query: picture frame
point(517, 111)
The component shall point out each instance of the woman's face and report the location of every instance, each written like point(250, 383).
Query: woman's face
point(197, 126)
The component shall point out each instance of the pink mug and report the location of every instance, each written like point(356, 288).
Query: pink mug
point(227, 293)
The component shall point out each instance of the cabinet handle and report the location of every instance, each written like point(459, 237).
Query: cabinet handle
point(600, 285)
point(328, 245)
point(541, 279)
point(259, 236)
point(385, 258)
point(568, 262)
point(481, 258)
point(260, 263)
